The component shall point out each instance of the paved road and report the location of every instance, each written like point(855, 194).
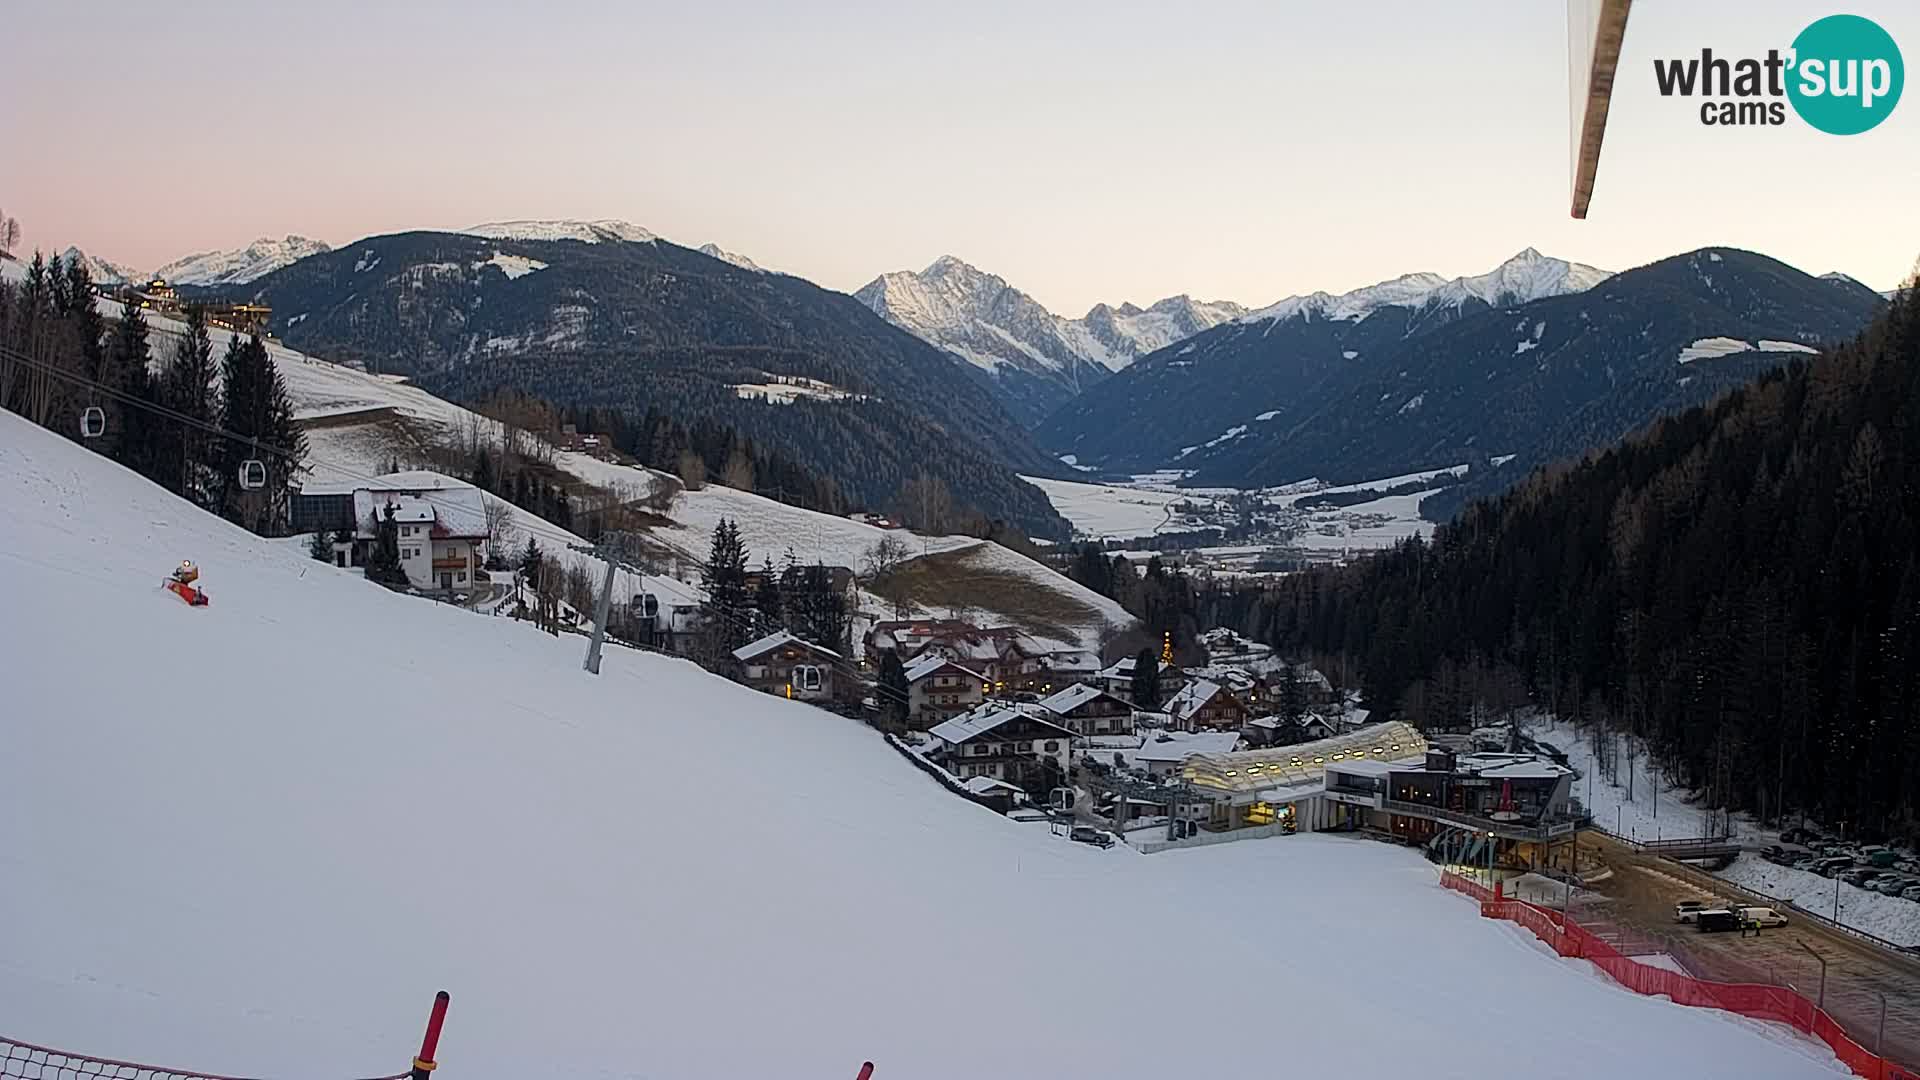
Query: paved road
point(1640, 897)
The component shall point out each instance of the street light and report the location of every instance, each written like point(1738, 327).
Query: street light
point(1822, 1003)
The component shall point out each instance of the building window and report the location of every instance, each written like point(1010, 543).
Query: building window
point(1053, 746)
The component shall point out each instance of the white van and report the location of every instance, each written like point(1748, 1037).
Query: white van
point(1762, 916)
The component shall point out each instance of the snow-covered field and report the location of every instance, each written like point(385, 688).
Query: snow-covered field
point(1152, 503)
point(1112, 510)
point(287, 818)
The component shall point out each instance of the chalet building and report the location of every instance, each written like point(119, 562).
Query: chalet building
point(839, 579)
point(1009, 659)
point(1316, 690)
point(1117, 679)
point(1264, 731)
point(1087, 710)
point(938, 689)
point(1004, 744)
point(1203, 705)
point(790, 667)
point(1165, 754)
point(441, 522)
point(570, 438)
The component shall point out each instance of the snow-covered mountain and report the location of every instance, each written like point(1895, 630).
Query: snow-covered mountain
point(104, 272)
point(241, 265)
point(1525, 277)
point(605, 230)
point(1038, 358)
point(725, 256)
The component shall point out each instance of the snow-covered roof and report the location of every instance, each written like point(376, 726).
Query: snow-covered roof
point(982, 721)
point(454, 507)
point(1179, 746)
point(1512, 766)
point(929, 663)
point(1073, 662)
point(986, 785)
point(1119, 669)
point(1065, 701)
point(773, 641)
point(1251, 771)
point(1192, 698)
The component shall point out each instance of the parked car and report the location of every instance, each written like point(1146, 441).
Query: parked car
point(1687, 911)
point(1832, 866)
point(1891, 884)
point(1859, 876)
point(1762, 916)
point(1086, 834)
point(1805, 862)
point(1911, 892)
point(1716, 920)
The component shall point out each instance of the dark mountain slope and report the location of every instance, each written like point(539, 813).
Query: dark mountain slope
point(1739, 584)
point(1558, 375)
point(632, 325)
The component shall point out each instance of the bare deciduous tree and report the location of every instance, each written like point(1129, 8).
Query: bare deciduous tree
point(883, 558)
point(499, 516)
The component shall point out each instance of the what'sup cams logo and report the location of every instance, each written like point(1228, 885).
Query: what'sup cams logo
point(1843, 75)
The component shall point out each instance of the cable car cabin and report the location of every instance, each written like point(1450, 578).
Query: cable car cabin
point(253, 474)
point(93, 422)
point(790, 667)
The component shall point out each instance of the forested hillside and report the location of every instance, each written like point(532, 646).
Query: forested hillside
point(639, 325)
point(1739, 584)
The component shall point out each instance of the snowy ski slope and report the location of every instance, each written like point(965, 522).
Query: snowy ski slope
point(358, 440)
point(254, 837)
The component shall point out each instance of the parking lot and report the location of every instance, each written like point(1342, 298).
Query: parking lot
point(1639, 899)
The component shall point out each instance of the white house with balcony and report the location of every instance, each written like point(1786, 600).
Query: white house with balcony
point(441, 522)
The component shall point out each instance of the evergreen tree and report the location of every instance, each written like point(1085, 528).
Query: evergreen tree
point(824, 613)
point(894, 690)
point(769, 608)
point(383, 565)
point(727, 613)
point(321, 547)
point(1293, 698)
point(255, 406)
point(1146, 679)
point(187, 389)
point(135, 444)
point(483, 477)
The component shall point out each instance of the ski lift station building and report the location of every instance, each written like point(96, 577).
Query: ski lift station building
point(1387, 778)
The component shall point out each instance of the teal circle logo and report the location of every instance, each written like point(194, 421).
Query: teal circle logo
point(1847, 75)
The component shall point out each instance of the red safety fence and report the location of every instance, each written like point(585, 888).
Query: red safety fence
point(1762, 1002)
point(26, 1061)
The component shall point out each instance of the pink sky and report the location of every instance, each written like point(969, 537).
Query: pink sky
point(1086, 152)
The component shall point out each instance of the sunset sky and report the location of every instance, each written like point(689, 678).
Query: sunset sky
point(1086, 152)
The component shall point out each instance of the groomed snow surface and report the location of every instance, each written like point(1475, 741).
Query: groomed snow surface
point(255, 837)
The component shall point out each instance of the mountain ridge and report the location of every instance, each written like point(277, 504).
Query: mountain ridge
point(1037, 358)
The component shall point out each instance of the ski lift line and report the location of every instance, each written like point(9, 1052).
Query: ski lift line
point(216, 430)
point(737, 622)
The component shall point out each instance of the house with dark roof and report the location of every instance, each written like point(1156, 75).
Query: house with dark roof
point(1005, 743)
point(939, 688)
point(1088, 710)
point(1204, 705)
point(788, 666)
